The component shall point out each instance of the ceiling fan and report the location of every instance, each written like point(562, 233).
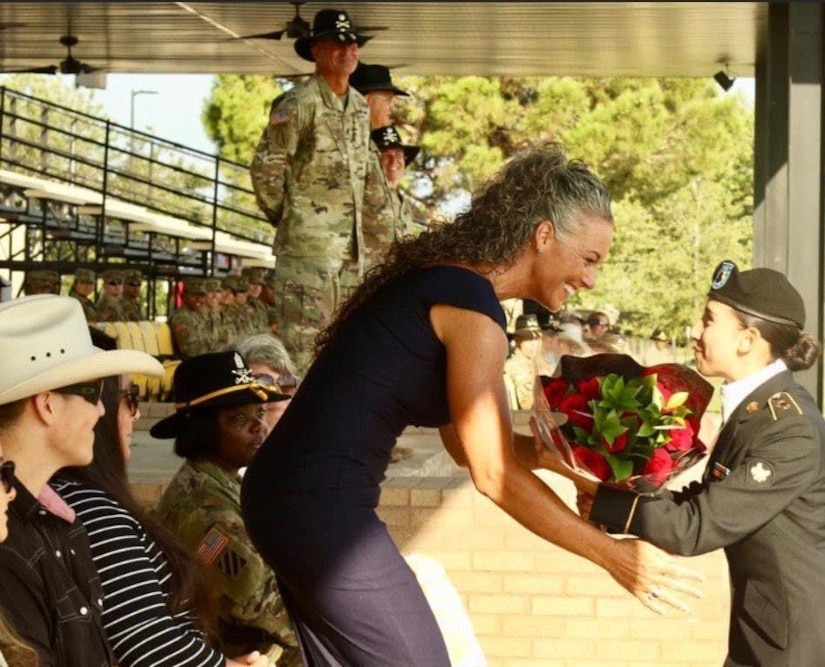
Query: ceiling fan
point(69, 65)
point(297, 27)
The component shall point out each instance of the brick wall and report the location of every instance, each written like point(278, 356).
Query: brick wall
point(532, 604)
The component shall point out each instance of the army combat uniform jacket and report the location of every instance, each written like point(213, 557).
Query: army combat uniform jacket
point(202, 506)
point(383, 223)
point(309, 169)
point(762, 499)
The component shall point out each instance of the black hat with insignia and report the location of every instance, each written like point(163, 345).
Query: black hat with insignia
point(209, 382)
point(388, 137)
point(333, 25)
point(763, 293)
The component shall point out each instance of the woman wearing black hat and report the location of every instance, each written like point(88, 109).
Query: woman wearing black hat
point(422, 341)
point(218, 425)
point(762, 496)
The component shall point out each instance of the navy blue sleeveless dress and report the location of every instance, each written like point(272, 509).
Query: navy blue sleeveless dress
point(310, 493)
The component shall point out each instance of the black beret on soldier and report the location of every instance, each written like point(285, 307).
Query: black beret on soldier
point(763, 293)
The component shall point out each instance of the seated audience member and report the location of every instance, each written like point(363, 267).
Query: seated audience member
point(521, 366)
point(270, 363)
point(12, 649)
point(50, 390)
point(110, 301)
point(557, 342)
point(218, 426)
point(151, 598)
point(597, 325)
point(658, 351)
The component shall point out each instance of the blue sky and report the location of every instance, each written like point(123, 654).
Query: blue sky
point(173, 112)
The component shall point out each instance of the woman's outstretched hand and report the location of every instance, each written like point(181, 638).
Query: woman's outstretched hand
point(656, 578)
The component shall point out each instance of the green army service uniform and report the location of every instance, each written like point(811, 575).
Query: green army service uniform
point(382, 213)
point(202, 506)
point(308, 174)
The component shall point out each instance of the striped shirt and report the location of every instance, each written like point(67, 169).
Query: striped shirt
point(135, 576)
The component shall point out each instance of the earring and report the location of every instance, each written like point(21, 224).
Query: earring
point(539, 250)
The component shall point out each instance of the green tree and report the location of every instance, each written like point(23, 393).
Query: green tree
point(675, 154)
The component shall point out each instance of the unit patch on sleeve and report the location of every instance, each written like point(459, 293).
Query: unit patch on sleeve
point(760, 474)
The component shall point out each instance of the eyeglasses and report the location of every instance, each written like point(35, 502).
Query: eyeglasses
point(132, 398)
point(132, 283)
point(7, 475)
point(286, 382)
point(91, 391)
point(115, 282)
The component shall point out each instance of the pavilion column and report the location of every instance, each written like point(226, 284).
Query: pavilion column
point(789, 203)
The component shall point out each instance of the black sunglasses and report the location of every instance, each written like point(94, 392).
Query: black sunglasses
point(133, 283)
point(91, 391)
point(132, 398)
point(7, 475)
point(115, 282)
point(286, 382)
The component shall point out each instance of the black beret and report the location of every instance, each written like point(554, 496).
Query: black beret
point(763, 293)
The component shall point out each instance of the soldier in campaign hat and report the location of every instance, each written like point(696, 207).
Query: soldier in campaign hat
point(218, 425)
point(109, 303)
point(762, 495)
point(83, 289)
point(384, 218)
point(308, 174)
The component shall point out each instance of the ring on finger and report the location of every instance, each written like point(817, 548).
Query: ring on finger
point(654, 593)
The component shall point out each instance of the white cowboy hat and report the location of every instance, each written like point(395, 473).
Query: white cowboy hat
point(45, 344)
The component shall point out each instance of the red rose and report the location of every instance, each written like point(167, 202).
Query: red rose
point(619, 444)
point(659, 464)
point(589, 387)
point(681, 439)
point(574, 406)
point(591, 460)
point(554, 391)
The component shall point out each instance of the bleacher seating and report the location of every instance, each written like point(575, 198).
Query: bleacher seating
point(154, 338)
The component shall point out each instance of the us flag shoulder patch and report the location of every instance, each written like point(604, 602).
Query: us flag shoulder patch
point(211, 547)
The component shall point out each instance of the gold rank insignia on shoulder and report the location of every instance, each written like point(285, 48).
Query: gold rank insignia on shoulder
point(780, 403)
point(751, 407)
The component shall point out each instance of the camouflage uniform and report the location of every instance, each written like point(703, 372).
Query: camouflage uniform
point(382, 213)
point(192, 330)
point(202, 506)
point(111, 308)
point(132, 306)
point(308, 174)
point(521, 370)
point(90, 310)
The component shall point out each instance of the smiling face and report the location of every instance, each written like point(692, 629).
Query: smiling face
point(333, 58)
point(717, 339)
point(561, 266)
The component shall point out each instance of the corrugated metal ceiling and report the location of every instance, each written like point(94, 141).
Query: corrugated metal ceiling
point(449, 38)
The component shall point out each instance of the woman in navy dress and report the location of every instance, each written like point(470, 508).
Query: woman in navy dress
point(422, 342)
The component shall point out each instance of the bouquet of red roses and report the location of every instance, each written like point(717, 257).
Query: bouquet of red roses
point(622, 423)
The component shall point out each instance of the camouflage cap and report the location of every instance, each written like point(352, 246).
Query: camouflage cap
point(230, 282)
point(84, 276)
point(42, 277)
point(241, 284)
point(194, 285)
point(112, 274)
point(269, 280)
point(133, 276)
point(212, 284)
point(254, 275)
